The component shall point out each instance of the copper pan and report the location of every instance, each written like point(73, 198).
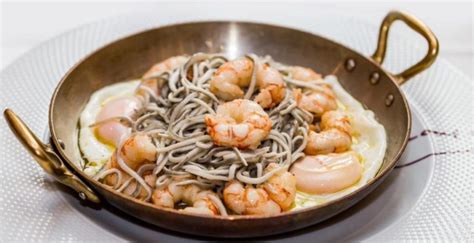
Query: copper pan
point(129, 57)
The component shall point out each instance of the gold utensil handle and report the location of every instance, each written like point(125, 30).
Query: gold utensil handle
point(47, 158)
point(416, 25)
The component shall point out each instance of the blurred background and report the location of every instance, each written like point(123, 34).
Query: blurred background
point(27, 24)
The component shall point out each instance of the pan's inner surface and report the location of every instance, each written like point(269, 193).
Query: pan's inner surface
point(130, 57)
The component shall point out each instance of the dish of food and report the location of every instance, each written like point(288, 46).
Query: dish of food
point(128, 181)
point(250, 136)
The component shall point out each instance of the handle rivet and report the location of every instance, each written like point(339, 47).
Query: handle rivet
point(82, 195)
point(389, 100)
point(374, 78)
point(350, 64)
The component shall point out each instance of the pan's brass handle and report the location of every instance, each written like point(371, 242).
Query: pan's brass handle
point(47, 158)
point(418, 26)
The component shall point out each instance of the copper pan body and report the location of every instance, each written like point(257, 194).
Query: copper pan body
point(130, 57)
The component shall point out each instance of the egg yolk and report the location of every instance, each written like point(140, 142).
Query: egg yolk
point(111, 132)
point(322, 174)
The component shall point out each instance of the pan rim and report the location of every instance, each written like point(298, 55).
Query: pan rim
point(381, 174)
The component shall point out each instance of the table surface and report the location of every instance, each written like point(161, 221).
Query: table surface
point(18, 34)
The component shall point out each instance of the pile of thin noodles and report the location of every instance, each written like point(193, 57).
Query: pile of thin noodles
point(175, 122)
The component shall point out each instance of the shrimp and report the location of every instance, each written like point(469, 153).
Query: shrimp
point(271, 85)
point(238, 123)
point(336, 119)
point(138, 150)
point(229, 79)
point(328, 141)
point(330, 173)
point(249, 200)
point(163, 66)
point(190, 194)
point(303, 74)
point(232, 77)
point(111, 179)
point(316, 101)
point(269, 198)
point(334, 137)
point(281, 187)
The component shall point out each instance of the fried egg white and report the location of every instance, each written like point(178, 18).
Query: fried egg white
point(369, 141)
point(94, 151)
